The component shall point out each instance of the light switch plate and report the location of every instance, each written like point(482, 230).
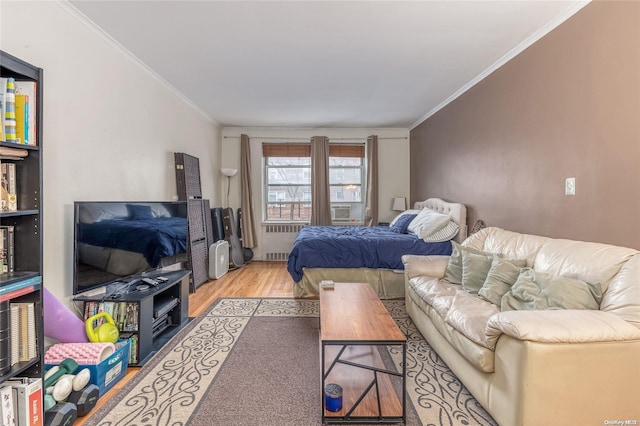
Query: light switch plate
point(570, 186)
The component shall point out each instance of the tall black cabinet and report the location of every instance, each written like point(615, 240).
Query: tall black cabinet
point(199, 212)
point(25, 282)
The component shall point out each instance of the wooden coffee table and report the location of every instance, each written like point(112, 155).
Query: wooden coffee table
point(354, 326)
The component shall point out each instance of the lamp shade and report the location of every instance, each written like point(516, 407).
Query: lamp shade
point(399, 204)
point(227, 171)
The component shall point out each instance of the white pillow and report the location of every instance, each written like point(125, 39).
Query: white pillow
point(448, 232)
point(427, 222)
point(410, 211)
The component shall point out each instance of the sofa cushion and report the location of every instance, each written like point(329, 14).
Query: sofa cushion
point(453, 272)
point(469, 315)
point(537, 291)
point(430, 288)
point(591, 262)
point(479, 356)
point(474, 270)
point(621, 297)
point(561, 326)
point(510, 244)
point(501, 276)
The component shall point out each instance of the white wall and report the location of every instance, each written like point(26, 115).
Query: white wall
point(393, 155)
point(110, 126)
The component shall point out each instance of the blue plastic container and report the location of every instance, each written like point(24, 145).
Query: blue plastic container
point(333, 397)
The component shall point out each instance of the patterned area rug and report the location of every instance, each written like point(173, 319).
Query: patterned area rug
point(178, 385)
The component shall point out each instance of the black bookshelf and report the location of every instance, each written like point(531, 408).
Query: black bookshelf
point(26, 221)
point(151, 332)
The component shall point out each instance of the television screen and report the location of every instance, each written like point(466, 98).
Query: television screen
point(114, 241)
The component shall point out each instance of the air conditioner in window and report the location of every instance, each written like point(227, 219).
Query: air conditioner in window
point(341, 213)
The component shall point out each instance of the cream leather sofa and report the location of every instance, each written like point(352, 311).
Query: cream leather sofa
point(538, 367)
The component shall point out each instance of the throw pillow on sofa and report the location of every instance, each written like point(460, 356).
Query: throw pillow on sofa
point(502, 275)
point(453, 272)
point(475, 268)
point(536, 291)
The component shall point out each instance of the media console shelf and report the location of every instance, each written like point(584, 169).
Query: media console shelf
point(149, 317)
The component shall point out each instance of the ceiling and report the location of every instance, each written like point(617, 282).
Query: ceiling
point(324, 63)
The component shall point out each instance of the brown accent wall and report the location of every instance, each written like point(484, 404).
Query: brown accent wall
point(568, 106)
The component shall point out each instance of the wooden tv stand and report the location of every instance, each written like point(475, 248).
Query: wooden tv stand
point(143, 309)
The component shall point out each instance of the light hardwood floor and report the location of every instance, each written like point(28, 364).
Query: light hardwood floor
point(256, 279)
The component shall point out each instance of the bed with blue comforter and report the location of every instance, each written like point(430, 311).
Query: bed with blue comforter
point(364, 254)
point(356, 247)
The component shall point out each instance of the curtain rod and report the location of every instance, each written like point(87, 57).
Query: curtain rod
point(305, 139)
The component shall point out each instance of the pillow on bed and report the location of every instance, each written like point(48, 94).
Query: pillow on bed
point(427, 222)
point(138, 212)
point(447, 233)
point(406, 212)
point(401, 225)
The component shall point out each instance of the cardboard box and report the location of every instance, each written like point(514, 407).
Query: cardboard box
point(111, 370)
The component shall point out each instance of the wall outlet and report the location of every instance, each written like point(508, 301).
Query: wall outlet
point(570, 186)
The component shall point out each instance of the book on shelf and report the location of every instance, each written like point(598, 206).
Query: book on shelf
point(22, 118)
point(14, 312)
point(28, 401)
point(7, 415)
point(4, 254)
point(29, 280)
point(133, 346)
point(29, 88)
point(8, 153)
point(3, 89)
point(124, 314)
point(7, 249)
point(9, 197)
point(17, 293)
point(10, 111)
point(27, 347)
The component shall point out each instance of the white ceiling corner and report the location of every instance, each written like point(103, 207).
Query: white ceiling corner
point(322, 63)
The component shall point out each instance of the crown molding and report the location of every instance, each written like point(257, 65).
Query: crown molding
point(93, 27)
point(546, 29)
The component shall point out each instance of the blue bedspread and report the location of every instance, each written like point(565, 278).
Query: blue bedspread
point(356, 247)
point(154, 238)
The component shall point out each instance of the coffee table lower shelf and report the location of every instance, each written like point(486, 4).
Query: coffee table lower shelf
point(372, 393)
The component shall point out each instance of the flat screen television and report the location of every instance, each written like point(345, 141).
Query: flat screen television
point(120, 241)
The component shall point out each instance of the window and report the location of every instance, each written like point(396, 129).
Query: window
point(287, 182)
point(346, 182)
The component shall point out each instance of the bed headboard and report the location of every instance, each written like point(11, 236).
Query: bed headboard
point(457, 211)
